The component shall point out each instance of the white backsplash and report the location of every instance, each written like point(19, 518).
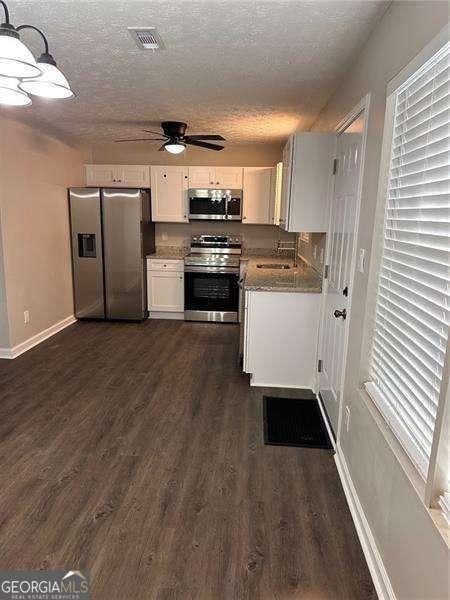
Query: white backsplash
point(254, 236)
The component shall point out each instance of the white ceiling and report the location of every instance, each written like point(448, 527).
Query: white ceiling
point(253, 71)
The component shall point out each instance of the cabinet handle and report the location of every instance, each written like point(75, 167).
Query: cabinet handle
point(211, 182)
point(217, 182)
point(243, 218)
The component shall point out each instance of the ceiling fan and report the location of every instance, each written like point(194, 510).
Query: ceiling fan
point(175, 138)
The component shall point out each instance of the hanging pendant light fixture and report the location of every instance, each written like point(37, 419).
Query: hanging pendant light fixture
point(41, 78)
point(15, 58)
point(51, 83)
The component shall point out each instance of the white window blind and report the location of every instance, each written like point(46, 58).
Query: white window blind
point(412, 305)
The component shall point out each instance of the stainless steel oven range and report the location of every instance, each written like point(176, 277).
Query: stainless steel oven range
point(211, 276)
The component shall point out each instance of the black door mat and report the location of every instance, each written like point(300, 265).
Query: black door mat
point(294, 422)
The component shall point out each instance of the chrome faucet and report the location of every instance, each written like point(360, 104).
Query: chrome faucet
point(282, 246)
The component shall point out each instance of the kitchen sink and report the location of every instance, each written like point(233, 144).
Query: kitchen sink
point(273, 266)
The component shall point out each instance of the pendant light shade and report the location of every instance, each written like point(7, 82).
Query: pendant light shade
point(50, 84)
point(10, 94)
point(15, 58)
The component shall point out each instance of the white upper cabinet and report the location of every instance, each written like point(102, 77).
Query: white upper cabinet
point(258, 195)
point(306, 181)
point(169, 191)
point(136, 176)
point(229, 177)
point(215, 177)
point(202, 177)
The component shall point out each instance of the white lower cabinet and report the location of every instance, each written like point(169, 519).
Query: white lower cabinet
point(280, 338)
point(165, 288)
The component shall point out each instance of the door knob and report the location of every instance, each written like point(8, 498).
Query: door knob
point(340, 313)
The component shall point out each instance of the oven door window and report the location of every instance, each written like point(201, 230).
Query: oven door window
point(207, 206)
point(211, 291)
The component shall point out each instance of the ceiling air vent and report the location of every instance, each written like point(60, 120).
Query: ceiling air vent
point(146, 38)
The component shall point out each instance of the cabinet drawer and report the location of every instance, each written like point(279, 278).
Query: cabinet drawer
point(160, 264)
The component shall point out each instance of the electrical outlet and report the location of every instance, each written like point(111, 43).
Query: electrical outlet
point(322, 256)
point(26, 316)
point(164, 236)
point(347, 418)
point(362, 260)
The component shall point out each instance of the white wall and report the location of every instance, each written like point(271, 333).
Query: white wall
point(253, 236)
point(35, 172)
point(253, 155)
point(414, 553)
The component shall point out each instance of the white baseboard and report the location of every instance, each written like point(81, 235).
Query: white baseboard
point(325, 420)
point(36, 339)
point(272, 384)
point(373, 557)
point(174, 316)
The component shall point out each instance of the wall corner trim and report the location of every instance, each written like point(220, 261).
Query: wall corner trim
point(36, 339)
point(373, 557)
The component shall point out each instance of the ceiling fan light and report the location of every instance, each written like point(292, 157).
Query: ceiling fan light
point(50, 84)
point(175, 147)
point(10, 94)
point(15, 58)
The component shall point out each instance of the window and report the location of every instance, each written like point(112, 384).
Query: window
point(412, 304)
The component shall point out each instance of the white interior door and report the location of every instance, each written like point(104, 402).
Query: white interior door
point(338, 285)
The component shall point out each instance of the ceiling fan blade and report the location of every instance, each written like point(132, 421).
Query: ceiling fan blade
point(203, 144)
point(213, 136)
point(154, 132)
point(141, 140)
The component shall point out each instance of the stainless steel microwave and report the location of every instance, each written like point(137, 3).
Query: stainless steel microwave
point(211, 205)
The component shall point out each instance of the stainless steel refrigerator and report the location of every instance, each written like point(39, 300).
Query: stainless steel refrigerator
point(111, 233)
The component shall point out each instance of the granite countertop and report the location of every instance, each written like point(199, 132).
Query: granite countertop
point(169, 252)
point(302, 278)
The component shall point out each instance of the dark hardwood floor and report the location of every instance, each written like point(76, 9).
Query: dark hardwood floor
point(135, 451)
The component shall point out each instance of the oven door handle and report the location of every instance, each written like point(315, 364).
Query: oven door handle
point(227, 270)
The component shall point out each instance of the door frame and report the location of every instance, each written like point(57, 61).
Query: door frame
point(362, 106)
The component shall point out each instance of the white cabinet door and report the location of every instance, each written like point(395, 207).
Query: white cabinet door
point(275, 197)
point(281, 338)
point(215, 177)
point(169, 194)
point(306, 181)
point(101, 175)
point(257, 194)
point(286, 184)
point(165, 291)
point(202, 177)
point(229, 177)
point(135, 176)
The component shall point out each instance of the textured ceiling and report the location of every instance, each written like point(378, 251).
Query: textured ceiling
point(253, 71)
